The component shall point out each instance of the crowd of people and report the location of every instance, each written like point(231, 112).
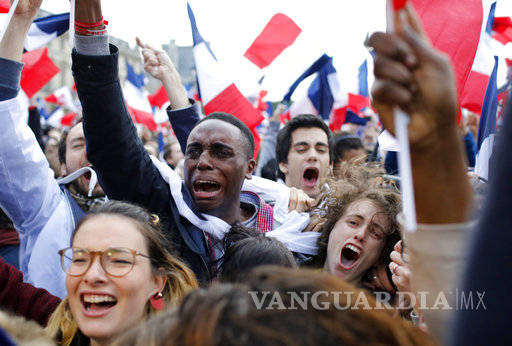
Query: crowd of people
point(106, 241)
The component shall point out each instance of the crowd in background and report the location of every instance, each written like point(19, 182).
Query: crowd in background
point(111, 234)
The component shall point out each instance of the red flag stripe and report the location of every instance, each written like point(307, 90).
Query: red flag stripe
point(279, 33)
point(474, 92)
point(5, 5)
point(143, 118)
point(38, 70)
point(443, 21)
point(159, 98)
point(399, 4)
point(231, 101)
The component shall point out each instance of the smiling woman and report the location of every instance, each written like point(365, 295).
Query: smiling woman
point(117, 274)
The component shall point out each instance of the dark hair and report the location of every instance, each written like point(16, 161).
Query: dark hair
point(231, 119)
point(62, 143)
point(247, 249)
point(62, 147)
point(269, 170)
point(284, 136)
point(346, 142)
point(243, 314)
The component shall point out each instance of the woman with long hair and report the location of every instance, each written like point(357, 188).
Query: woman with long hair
point(361, 228)
point(118, 273)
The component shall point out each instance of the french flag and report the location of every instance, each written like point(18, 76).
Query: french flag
point(62, 97)
point(326, 98)
point(462, 29)
point(38, 70)
point(44, 30)
point(136, 98)
point(323, 95)
point(478, 79)
point(365, 76)
point(487, 125)
point(218, 92)
point(279, 33)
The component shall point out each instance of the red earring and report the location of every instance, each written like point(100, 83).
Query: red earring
point(156, 301)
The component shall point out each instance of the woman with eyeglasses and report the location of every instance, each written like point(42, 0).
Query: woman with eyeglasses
point(118, 272)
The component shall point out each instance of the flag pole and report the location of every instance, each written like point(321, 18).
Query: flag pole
point(72, 23)
point(404, 156)
point(8, 19)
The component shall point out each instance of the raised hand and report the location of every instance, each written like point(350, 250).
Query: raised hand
point(11, 46)
point(156, 62)
point(27, 8)
point(158, 65)
point(412, 74)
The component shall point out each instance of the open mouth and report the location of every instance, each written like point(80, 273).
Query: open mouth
point(87, 176)
point(206, 188)
point(349, 256)
point(96, 303)
point(310, 176)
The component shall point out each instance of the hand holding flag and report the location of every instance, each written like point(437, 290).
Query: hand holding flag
point(413, 75)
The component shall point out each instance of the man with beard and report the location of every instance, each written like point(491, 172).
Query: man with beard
point(42, 209)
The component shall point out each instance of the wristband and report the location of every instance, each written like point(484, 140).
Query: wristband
point(90, 25)
point(89, 32)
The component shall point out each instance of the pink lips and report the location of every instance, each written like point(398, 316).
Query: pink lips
point(103, 311)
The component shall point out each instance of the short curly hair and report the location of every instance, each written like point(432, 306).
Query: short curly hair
point(355, 187)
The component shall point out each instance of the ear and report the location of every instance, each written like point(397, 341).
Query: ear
point(250, 168)
point(159, 281)
point(283, 167)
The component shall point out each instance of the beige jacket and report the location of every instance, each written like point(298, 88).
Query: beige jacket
point(437, 255)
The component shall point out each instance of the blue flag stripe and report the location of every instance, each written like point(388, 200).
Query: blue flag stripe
point(489, 107)
point(58, 23)
point(317, 65)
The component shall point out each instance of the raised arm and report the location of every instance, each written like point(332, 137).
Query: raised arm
point(125, 170)
point(183, 114)
point(29, 193)
point(413, 75)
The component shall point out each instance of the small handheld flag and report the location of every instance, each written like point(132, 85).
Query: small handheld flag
point(404, 157)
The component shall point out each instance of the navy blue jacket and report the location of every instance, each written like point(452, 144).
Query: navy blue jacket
point(125, 170)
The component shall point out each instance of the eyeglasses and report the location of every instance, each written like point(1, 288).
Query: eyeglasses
point(116, 262)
